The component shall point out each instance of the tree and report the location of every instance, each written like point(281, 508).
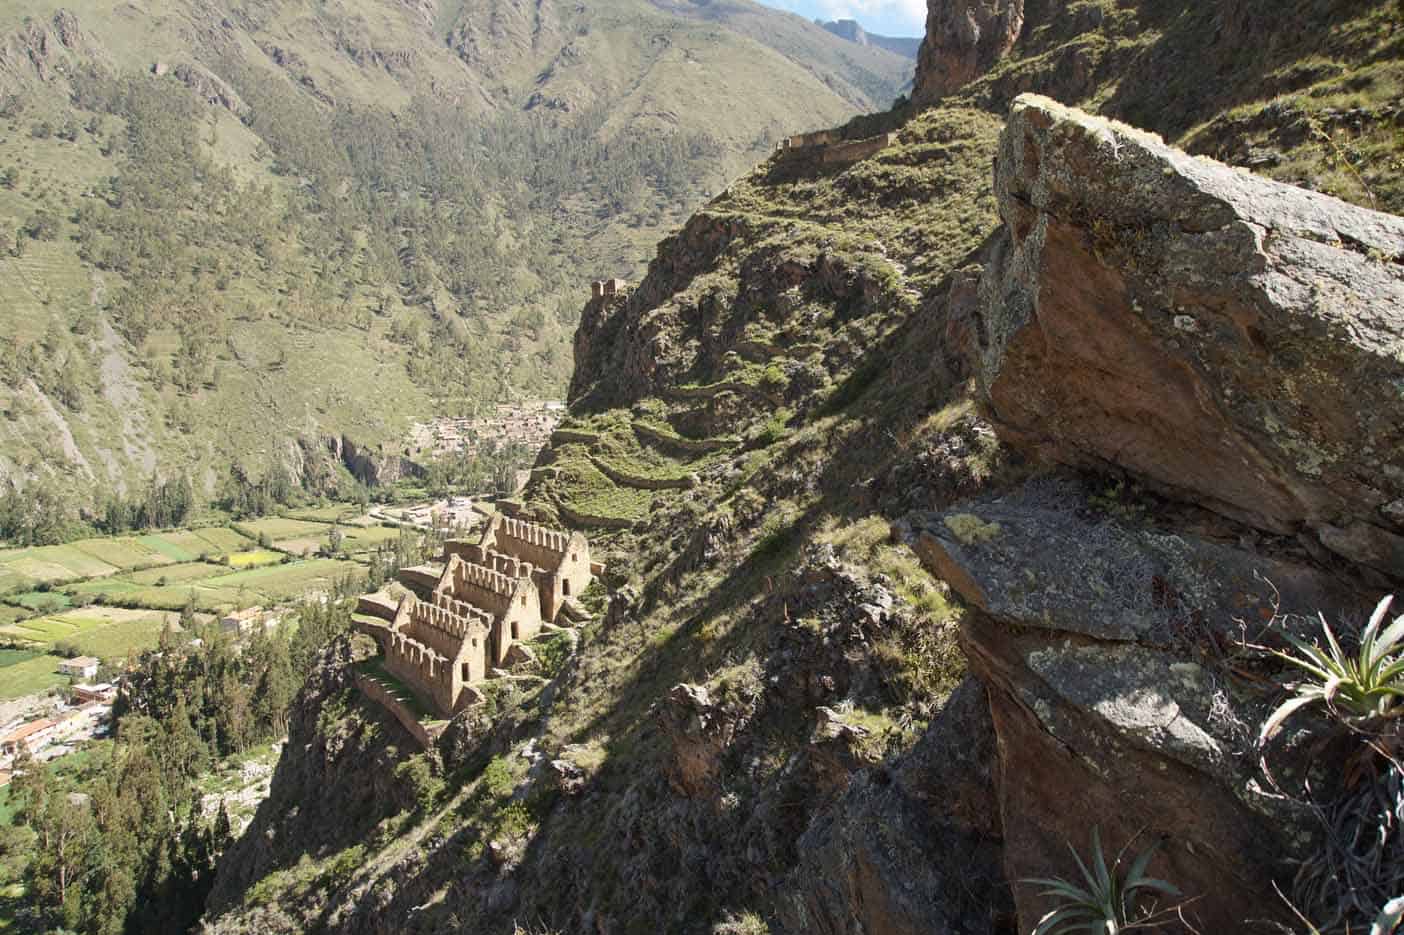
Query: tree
point(64, 834)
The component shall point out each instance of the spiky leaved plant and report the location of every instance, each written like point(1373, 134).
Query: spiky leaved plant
point(1109, 904)
point(1362, 685)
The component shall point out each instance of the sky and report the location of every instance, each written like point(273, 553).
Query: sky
point(884, 17)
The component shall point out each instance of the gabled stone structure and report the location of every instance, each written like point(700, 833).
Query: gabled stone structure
point(560, 560)
point(487, 596)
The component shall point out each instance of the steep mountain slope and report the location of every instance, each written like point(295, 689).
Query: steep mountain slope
point(839, 371)
point(235, 230)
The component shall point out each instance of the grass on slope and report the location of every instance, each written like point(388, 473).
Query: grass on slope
point(25, 672)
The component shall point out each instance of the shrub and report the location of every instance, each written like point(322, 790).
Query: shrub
point(1109, 903)
point(1356, 686)
point(418, 775)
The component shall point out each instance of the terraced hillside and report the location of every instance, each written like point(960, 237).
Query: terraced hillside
point(276, 233)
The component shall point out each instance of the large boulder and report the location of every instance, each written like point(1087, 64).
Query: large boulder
point(1107, 650)
point(964, 39)
point(1231, 341)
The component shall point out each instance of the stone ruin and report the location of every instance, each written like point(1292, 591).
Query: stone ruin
point(605, 288)
point(460, 622)
point(829, 147)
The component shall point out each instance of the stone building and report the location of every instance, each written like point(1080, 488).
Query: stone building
point(462, 618)
point(602, 288)
point(560, 560)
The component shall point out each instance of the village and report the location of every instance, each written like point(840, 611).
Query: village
point(528, 423)
point(49, 726)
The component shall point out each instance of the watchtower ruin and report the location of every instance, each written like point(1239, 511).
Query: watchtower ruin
point(604, 288)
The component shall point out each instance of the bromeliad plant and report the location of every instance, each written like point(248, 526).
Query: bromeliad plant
point(1109, 903)
point(1359, 686)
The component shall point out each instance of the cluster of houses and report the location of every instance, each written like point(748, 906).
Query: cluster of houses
point(84, 716)
point(88, 705)
point(529, 424)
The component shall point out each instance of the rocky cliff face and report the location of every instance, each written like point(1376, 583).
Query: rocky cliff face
point(1231, 340)
point(964, 39)
point(1207, 334)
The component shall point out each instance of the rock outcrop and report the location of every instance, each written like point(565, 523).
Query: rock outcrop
point(1237, 347)
point(210, 88)
point(913, 848)
point(1235, 342)
point(1102, 647)
point(964, 39)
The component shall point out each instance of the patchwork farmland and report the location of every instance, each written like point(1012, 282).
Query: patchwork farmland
point(109, 597)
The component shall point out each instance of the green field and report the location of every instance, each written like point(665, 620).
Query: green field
point(335, 513)
point(222, 540)
point(354, 539)
point(24, 672)
point(290, 581)
point(11, 580)
point(176, 574)
point(282, 527)
point(365, 539)
point(54, 563)
point(125, 553)
point(40, 601)
point(108, 633)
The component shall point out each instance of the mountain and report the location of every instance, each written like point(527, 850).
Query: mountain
point(850, 29)
point(253, 232)
point(955, 474)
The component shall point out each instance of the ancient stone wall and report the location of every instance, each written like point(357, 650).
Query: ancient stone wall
point(377, 693)
point(424, 669)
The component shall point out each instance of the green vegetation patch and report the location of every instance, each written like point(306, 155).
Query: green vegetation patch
point(10, 657)
point(37, 673)
point(589, 492)
point(178, 547)
point(281, 527)
point(334, 513)
point(11, 580)
point(222, 540)
point(124, 552)
point(287, 581)
point(364, 539)
point(207, 597)
point(43, 602)
point(102, 587)
point(174, 574)
point(115, 641)
point(108, 633)
point(55, 563)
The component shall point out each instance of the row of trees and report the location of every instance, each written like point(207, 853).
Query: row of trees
point(164, 503)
